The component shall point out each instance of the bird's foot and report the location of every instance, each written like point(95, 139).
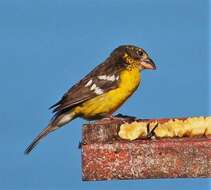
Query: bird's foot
point(151, 134)
point(111, 119)
point(120, 118)
point(106, 119)
point(125, 117)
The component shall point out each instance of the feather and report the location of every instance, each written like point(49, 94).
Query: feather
point(57, 122)
point(84, 90)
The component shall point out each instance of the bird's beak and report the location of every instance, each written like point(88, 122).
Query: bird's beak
point(148, 64)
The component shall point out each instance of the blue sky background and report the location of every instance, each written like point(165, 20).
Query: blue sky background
point(46, 46)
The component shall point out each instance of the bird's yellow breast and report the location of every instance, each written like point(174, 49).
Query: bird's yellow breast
point(110, 101)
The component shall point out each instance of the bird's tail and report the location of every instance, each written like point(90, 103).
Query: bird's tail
point(57, 122)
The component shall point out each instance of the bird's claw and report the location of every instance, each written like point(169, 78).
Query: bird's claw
point(117, 118)
point(125, 117)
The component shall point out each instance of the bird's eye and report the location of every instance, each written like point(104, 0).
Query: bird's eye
point(140, 53)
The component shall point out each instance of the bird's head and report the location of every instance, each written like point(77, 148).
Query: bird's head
point(133, 55)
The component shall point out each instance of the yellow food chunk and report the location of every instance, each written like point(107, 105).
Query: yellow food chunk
point(190, 127)
point(132, 131)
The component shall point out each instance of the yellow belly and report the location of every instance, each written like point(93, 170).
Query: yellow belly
point(109, 102)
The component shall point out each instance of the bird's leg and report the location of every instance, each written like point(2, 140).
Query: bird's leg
point(106, 118)
point(151, 133)
point(118, 117)
point(110, 118)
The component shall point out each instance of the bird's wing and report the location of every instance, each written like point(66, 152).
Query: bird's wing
point(102, 79)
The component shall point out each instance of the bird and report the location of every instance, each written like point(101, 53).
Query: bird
point(101, 92)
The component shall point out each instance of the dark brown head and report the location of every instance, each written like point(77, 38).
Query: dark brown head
point(134, 55)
